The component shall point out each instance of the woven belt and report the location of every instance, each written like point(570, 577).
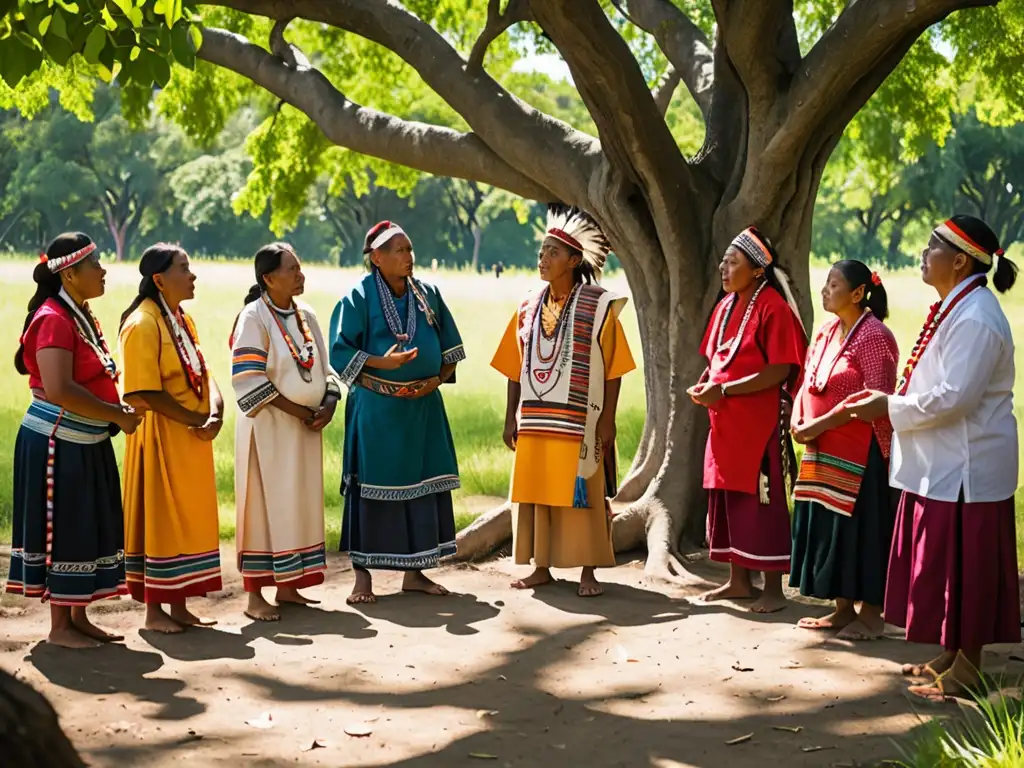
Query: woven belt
point(392, 388)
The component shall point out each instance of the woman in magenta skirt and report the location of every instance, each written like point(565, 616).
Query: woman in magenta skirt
point(953, 566)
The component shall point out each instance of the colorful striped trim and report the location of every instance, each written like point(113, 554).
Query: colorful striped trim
point(285, 566)
point(827, 480)
point(540, 417)
point(48, 419)
point(430, 486)
point(583, 345)
point(248, 361)
point(416, 561)
point(172, 574)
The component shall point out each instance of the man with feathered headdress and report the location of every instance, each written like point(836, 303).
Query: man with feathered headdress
point(564, 353)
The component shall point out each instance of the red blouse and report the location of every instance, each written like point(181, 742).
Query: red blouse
point(53, 326)
point(742, 425)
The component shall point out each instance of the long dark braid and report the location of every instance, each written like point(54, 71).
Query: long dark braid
point(156, 260)
point(48, 285)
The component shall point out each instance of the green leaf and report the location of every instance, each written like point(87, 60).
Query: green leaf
point(108, 20)
point(69, 7)
point(161, 70)
point(135, 17)
point(44, 25)
point(181, 47)
point(135, 53)
point(172, 11)
point(17, 60)
point(126, 6)
point(58, 49)
point(58, 27)
point(94, 45)
point(197, 37)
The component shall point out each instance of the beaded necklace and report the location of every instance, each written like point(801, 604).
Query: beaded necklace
point(303, 358)
point(817, 383)
point(89, 330)
point(734, 345)
point(391, 316)
point(935, 317)
point(186, 346)
point(561, 352)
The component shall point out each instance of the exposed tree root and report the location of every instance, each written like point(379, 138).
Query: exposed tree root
point(488, 532)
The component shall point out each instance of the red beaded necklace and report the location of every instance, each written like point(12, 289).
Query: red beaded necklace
point(935, 317)
point(305, 358)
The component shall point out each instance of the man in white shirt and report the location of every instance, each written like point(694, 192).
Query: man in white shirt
point(953, 566)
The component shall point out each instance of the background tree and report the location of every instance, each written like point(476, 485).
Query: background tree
point(776, 83)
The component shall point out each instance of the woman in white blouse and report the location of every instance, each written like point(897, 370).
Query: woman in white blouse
point(953, 567)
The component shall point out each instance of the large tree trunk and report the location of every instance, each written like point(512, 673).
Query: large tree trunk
point(478, 236)
point(30, 734)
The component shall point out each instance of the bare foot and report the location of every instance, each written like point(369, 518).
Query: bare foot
point(589, 586)
point(362, 590)
point(260, 610)
point(944, 688)
point(158, 621)
point(82, 623)
point(361, 598)
point(290, 595)
point(768, 603)
point(538, 578)
point(933, 669)
point(730, 591)
point(835, 620)
point(861, 630)
point(181, 614)
point(416, 581)
point(69, 637)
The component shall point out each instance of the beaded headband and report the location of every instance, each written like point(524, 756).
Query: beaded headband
point(393, 231)
point(952, 235)
point(750, 244)
point(565, 237)
point(580, 231)
point(61, 263)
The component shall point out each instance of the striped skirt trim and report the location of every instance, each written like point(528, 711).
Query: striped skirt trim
point(297, 568)
point(49, 420)
point(172, 579)
point(830, 481)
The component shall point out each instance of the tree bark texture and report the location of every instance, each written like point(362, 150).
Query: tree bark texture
point(772, 120)
point(30, 734)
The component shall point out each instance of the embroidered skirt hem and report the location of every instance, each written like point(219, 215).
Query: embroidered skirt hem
point(87, 545)
point(743, 531)
point(953, 573)
point(839, 556)
point(173, 579)
point(565, 537)
point(407, 535)
point(297, 569)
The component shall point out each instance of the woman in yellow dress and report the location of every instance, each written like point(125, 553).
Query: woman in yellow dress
point(172, 545)
point(562, 398)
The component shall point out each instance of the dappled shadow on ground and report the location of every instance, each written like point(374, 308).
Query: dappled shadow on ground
point(634, 606)
point(298, 625)
point(456, 613)
point(115, 668)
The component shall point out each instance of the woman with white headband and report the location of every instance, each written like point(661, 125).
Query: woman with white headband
point(394, 343)
point(68, 542)
point(953, 566)
point(755, 346)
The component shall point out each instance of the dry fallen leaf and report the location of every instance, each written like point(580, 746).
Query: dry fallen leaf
point(739, 739)
point(317, 744)
point(816, 749)
point(774, 699)
point(483, 756)
point(264, 721)
point(358, 729)
point(788, 728)
point(738, 668)
point(486, 713)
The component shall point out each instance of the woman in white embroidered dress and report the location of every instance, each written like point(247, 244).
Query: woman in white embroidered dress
point(953, 567)
point(287, 394)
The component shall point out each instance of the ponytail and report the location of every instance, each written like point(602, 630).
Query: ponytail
point(857, 274)
point(1005, 276)
point(267, 260)
point(48, 284)
point(254, 293)
point(156, 260)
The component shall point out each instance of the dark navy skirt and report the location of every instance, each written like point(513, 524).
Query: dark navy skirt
point(83, 560)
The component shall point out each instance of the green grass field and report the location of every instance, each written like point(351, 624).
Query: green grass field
point(482, 306)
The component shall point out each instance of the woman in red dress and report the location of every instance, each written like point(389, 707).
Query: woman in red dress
point(755, 346)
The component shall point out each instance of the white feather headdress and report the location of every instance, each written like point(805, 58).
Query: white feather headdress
point(579, 230)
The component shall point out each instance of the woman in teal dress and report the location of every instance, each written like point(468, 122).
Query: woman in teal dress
point(394, 343)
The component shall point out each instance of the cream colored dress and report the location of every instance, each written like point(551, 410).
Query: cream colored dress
point(279, 482)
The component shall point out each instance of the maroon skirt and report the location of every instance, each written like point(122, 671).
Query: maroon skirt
point(953, 573)
point(744, 531)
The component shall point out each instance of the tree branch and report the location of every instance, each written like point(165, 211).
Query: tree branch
point(682, 42)
point(557, 157)
point(666, 89)
point(497, 22)
point(851, 59)
point(427, 148)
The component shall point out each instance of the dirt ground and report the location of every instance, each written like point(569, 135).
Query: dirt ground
point(639, 677)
